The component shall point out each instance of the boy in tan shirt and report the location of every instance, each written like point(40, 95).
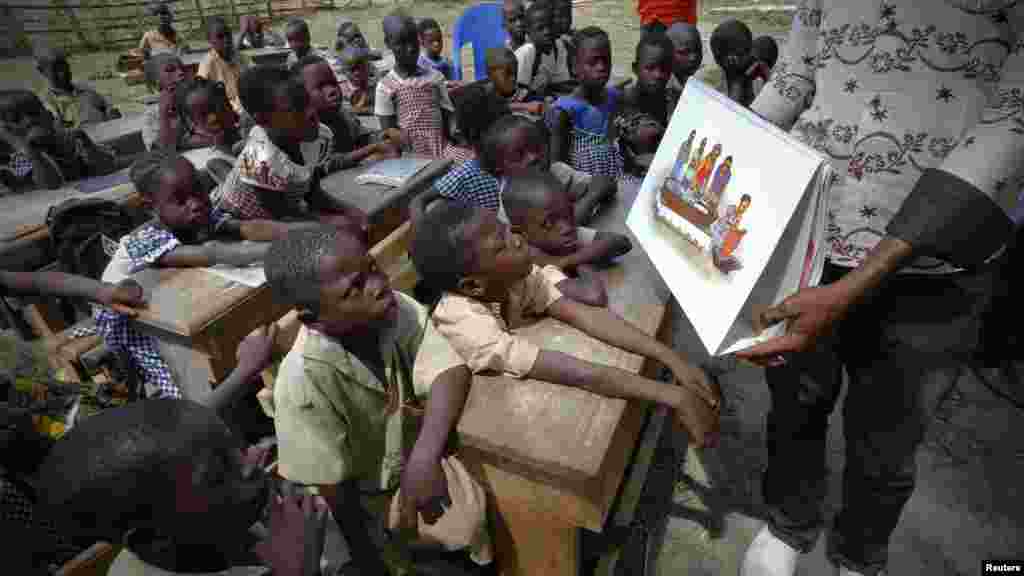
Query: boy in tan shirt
point(223, 63)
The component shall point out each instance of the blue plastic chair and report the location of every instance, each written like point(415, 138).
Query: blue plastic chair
point(480, 26)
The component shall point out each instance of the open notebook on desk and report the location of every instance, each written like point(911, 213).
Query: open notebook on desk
point(392, 172)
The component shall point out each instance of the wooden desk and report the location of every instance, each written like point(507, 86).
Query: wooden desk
point(552, 457)
point(386, 207)
point(124, 135)
point(269, 56)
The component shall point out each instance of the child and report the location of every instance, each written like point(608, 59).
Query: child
point(346, 393)
point(124, 297)
point(160, 125)
point(411, 97)
point(476, 109)
point(297, 33)
point(72, 104)
point(765, 52)
point(544, 60)
point(731, 45)
point(223, 63)
point(514, 21)
point(253, 35)
point(170, 481)
point(358, 80)
point(163, 38)
point(464, 251)
point(561, 27)
point(689, 53)
point(431, 48)
point(349, 140)
point(349, 35)
point(276, 175)
point(647, 106)
point(184, 221)
point(502, 71)
point(205, 117)
point(37, 152)
point(539, 208)
point(582, 132)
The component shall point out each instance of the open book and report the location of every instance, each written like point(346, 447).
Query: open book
point(732, 213)
point(392, 172)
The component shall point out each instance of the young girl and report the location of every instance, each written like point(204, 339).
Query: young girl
point(205, 116)
point(184, 220)
point(477, 109)
point(647, 106)
point(411, 97)
point(357, 79)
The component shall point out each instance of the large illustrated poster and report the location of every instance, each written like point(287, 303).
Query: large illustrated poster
point(722, 191)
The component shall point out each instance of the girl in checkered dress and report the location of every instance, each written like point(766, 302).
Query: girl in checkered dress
point(410, 97)
point(581, 122)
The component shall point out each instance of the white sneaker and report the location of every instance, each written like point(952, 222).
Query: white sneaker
point(769, 556)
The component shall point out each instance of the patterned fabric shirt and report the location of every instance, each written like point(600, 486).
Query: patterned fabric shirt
point(469, 183)
point(590, 151)
point(417, 101)
point(138, 250)
point(889, 88)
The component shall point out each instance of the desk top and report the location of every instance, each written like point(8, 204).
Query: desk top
point(111, 130)
point(375, 198)
point(185, 301)
point(557, 430)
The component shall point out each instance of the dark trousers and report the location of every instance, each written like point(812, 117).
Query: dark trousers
point(902, 350)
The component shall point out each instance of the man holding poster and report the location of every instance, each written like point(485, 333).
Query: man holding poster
point(919, 106)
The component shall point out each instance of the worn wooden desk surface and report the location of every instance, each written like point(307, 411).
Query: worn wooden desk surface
point(386, 207)
point(552, 456)
point(123, 134)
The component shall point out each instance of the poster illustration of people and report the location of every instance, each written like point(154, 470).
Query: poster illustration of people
point(731, 214)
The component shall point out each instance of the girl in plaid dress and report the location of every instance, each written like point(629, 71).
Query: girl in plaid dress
point(581, 123)
point(410, 97)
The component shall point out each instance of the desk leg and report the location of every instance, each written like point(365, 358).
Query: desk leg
point(530, 544)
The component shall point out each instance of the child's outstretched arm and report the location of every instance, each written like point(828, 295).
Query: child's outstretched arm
point(124, 297)
point(262, 230)
point(606, 326)
point(253, 356)
point(213, 253)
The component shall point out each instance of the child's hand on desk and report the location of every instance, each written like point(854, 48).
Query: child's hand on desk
point(125, 297)
point(696, 381)
point(699, 418)
point(255, 350)
point(296, 542)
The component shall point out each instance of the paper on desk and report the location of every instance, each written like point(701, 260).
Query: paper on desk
point(252, 276)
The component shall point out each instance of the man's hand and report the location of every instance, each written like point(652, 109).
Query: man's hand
point(125, 297)
point(255, 350)
point(424, 490)
point(296, 539)
point(811, 312)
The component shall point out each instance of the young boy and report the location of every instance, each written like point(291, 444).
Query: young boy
point(223, 63)
point(647, 106)
point(37, 152)
point(349, 35)
point(731, 45)
point(502, 74)
point(163, 38)
point(432, 48)
point(297, 33)
point(544, 60)
point(689, 53)
point(346, 394)
point(481, 265)
point(538, 206)
point(252, 35)
point(160, 125)
point(765, 52)
point(514, 21)
point(358, 79)
point(72, 104)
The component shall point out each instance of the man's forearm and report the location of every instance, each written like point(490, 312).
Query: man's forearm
point(887, 257)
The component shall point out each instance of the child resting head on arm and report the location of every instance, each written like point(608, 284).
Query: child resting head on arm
point(481, 266)
point(364, 358)
point(538, 207)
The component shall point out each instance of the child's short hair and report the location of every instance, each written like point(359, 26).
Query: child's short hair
point(538, 6)
point(258, 86)
point(160, 8)
point(476, 109)
point(656, 40)
point(766, 50)
point(532, 189)
point(296, 25)
point(395, 22)
point(292, 265)
point(590, 33)
point(352, 56)
point(487, 151)
point(133, 451)
point(214, 90)
point(215, 23)
point(146, 172)
point(500, 58)
point(16, 104)
point(156, 63)
point(440, 251)
point(729, 34)
point(427, 24)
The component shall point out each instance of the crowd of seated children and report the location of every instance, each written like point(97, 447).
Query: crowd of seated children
point(544, 60)
point(731, 45)
point(287, 152)
point(252, 35)
point(351, 144)
point(189, 495)
point(178, 236)
point(432, 48)
point(539, 207)
point(482, 266)
point(72, 104)
point(223, 63)
point(348, 396)
point(37, 151)
point(163, 38)
point(513, 19)
point(502, 74)
point(411, 97)
point(689, 53)
point(647, 105)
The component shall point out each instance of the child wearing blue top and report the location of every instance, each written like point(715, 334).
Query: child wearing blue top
point(431, 48)
point(581, 123)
